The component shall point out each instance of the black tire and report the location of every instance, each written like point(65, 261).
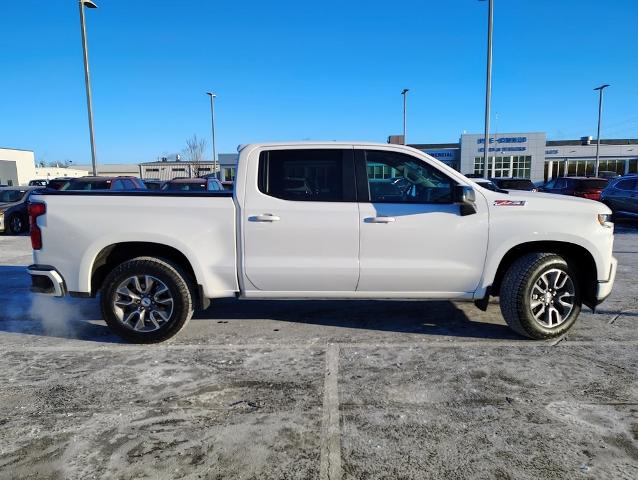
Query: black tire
point(179, 287)
point(16, 224)
point(517, 290)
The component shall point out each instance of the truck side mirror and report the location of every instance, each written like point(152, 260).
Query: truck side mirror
point(466, 198)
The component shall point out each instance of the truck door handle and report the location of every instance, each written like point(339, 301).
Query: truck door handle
point(381, 219)
point(264, 217)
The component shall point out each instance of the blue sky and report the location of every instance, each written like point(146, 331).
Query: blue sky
point(292, 70)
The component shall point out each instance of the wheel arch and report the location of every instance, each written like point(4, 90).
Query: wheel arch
point(578, 258)
point(112, 255)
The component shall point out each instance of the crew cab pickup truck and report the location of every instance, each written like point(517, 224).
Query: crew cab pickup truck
point(324, 220)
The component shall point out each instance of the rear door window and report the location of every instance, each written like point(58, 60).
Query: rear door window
point(627, 185)
point(308, 175)
point(10, 196)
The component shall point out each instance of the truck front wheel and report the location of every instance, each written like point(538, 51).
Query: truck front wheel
point(540, 296)
point(146, 300)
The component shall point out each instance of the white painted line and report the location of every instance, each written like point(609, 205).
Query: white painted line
point(330, 466)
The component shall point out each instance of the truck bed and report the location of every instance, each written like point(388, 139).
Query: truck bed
point(80, 225)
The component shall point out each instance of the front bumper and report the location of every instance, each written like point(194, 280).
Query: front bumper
point(46, 280)
point(604, 287)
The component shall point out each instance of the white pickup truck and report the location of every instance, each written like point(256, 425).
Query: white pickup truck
point(324, 220)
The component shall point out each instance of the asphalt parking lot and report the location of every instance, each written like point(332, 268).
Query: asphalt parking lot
point(334, 389)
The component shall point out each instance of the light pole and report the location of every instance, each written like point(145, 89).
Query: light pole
point(405, 118)
point(212, 117)
point(488, 85)
point(600, 114)
point(87, 80)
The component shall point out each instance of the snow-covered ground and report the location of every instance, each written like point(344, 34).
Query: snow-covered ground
point(269, 389)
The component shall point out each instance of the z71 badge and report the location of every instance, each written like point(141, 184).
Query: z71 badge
point(509, 203)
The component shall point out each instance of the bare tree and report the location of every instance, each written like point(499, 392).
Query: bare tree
point(194, 153)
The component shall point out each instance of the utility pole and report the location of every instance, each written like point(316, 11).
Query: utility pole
point(212, 117)
point(405, 113)
point(488, 85)
point(87, 80)
point(600, 114)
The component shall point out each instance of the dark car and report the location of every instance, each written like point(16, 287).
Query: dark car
point(485, 183)
point(13, 209)
point(58, 183)
point(621, 195)
point(585, 187)
point(228, 185)
point(38, 183)
point(153, 184)
point(104, 183)
point(193, 185)
point(514, 184)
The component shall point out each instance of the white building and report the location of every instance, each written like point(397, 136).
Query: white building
point(113, 169)
point(166, 169)
point(531, 155)
point(17, 167)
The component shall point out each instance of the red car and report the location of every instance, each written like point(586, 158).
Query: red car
point(585, 187)
point(104, 183)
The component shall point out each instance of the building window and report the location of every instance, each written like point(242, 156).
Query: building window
point(152, 169)
point(179, 169)
point(615, 165)
point(522, 166)
point(633, 166)
point(501, 167)
point(229, 174)
point(479, 166)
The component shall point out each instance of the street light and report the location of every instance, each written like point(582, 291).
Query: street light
point(488, 83)
point(600, 114)
point(212, 116)
point(405, 105)
point(87, 79)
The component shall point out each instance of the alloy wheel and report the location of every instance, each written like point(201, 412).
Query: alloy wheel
point(552, 298)
point(143, 303)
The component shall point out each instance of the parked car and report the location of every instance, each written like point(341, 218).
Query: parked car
point(621, 195)
point(485, 183)
point(585, 187)
point(38, 183)
point(153, 184)
point(513, 183)
point(193, 185)
point(13, 209)
point(104, 183)
point(154, 259)
point(58, 183)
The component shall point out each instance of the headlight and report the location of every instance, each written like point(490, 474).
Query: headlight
point(605, 220)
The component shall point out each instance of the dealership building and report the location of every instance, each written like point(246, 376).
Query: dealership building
point(531, 155)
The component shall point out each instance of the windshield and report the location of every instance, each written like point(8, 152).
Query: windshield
point(516, 184)
point(185, 187)
point(10, 196)
point(96, 185)
point(591, 184)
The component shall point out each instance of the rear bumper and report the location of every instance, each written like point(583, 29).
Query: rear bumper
point(46, 280)
point(604, 287)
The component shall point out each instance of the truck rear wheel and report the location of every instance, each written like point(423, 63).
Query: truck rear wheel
point(540, 296)
point(147, 300)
